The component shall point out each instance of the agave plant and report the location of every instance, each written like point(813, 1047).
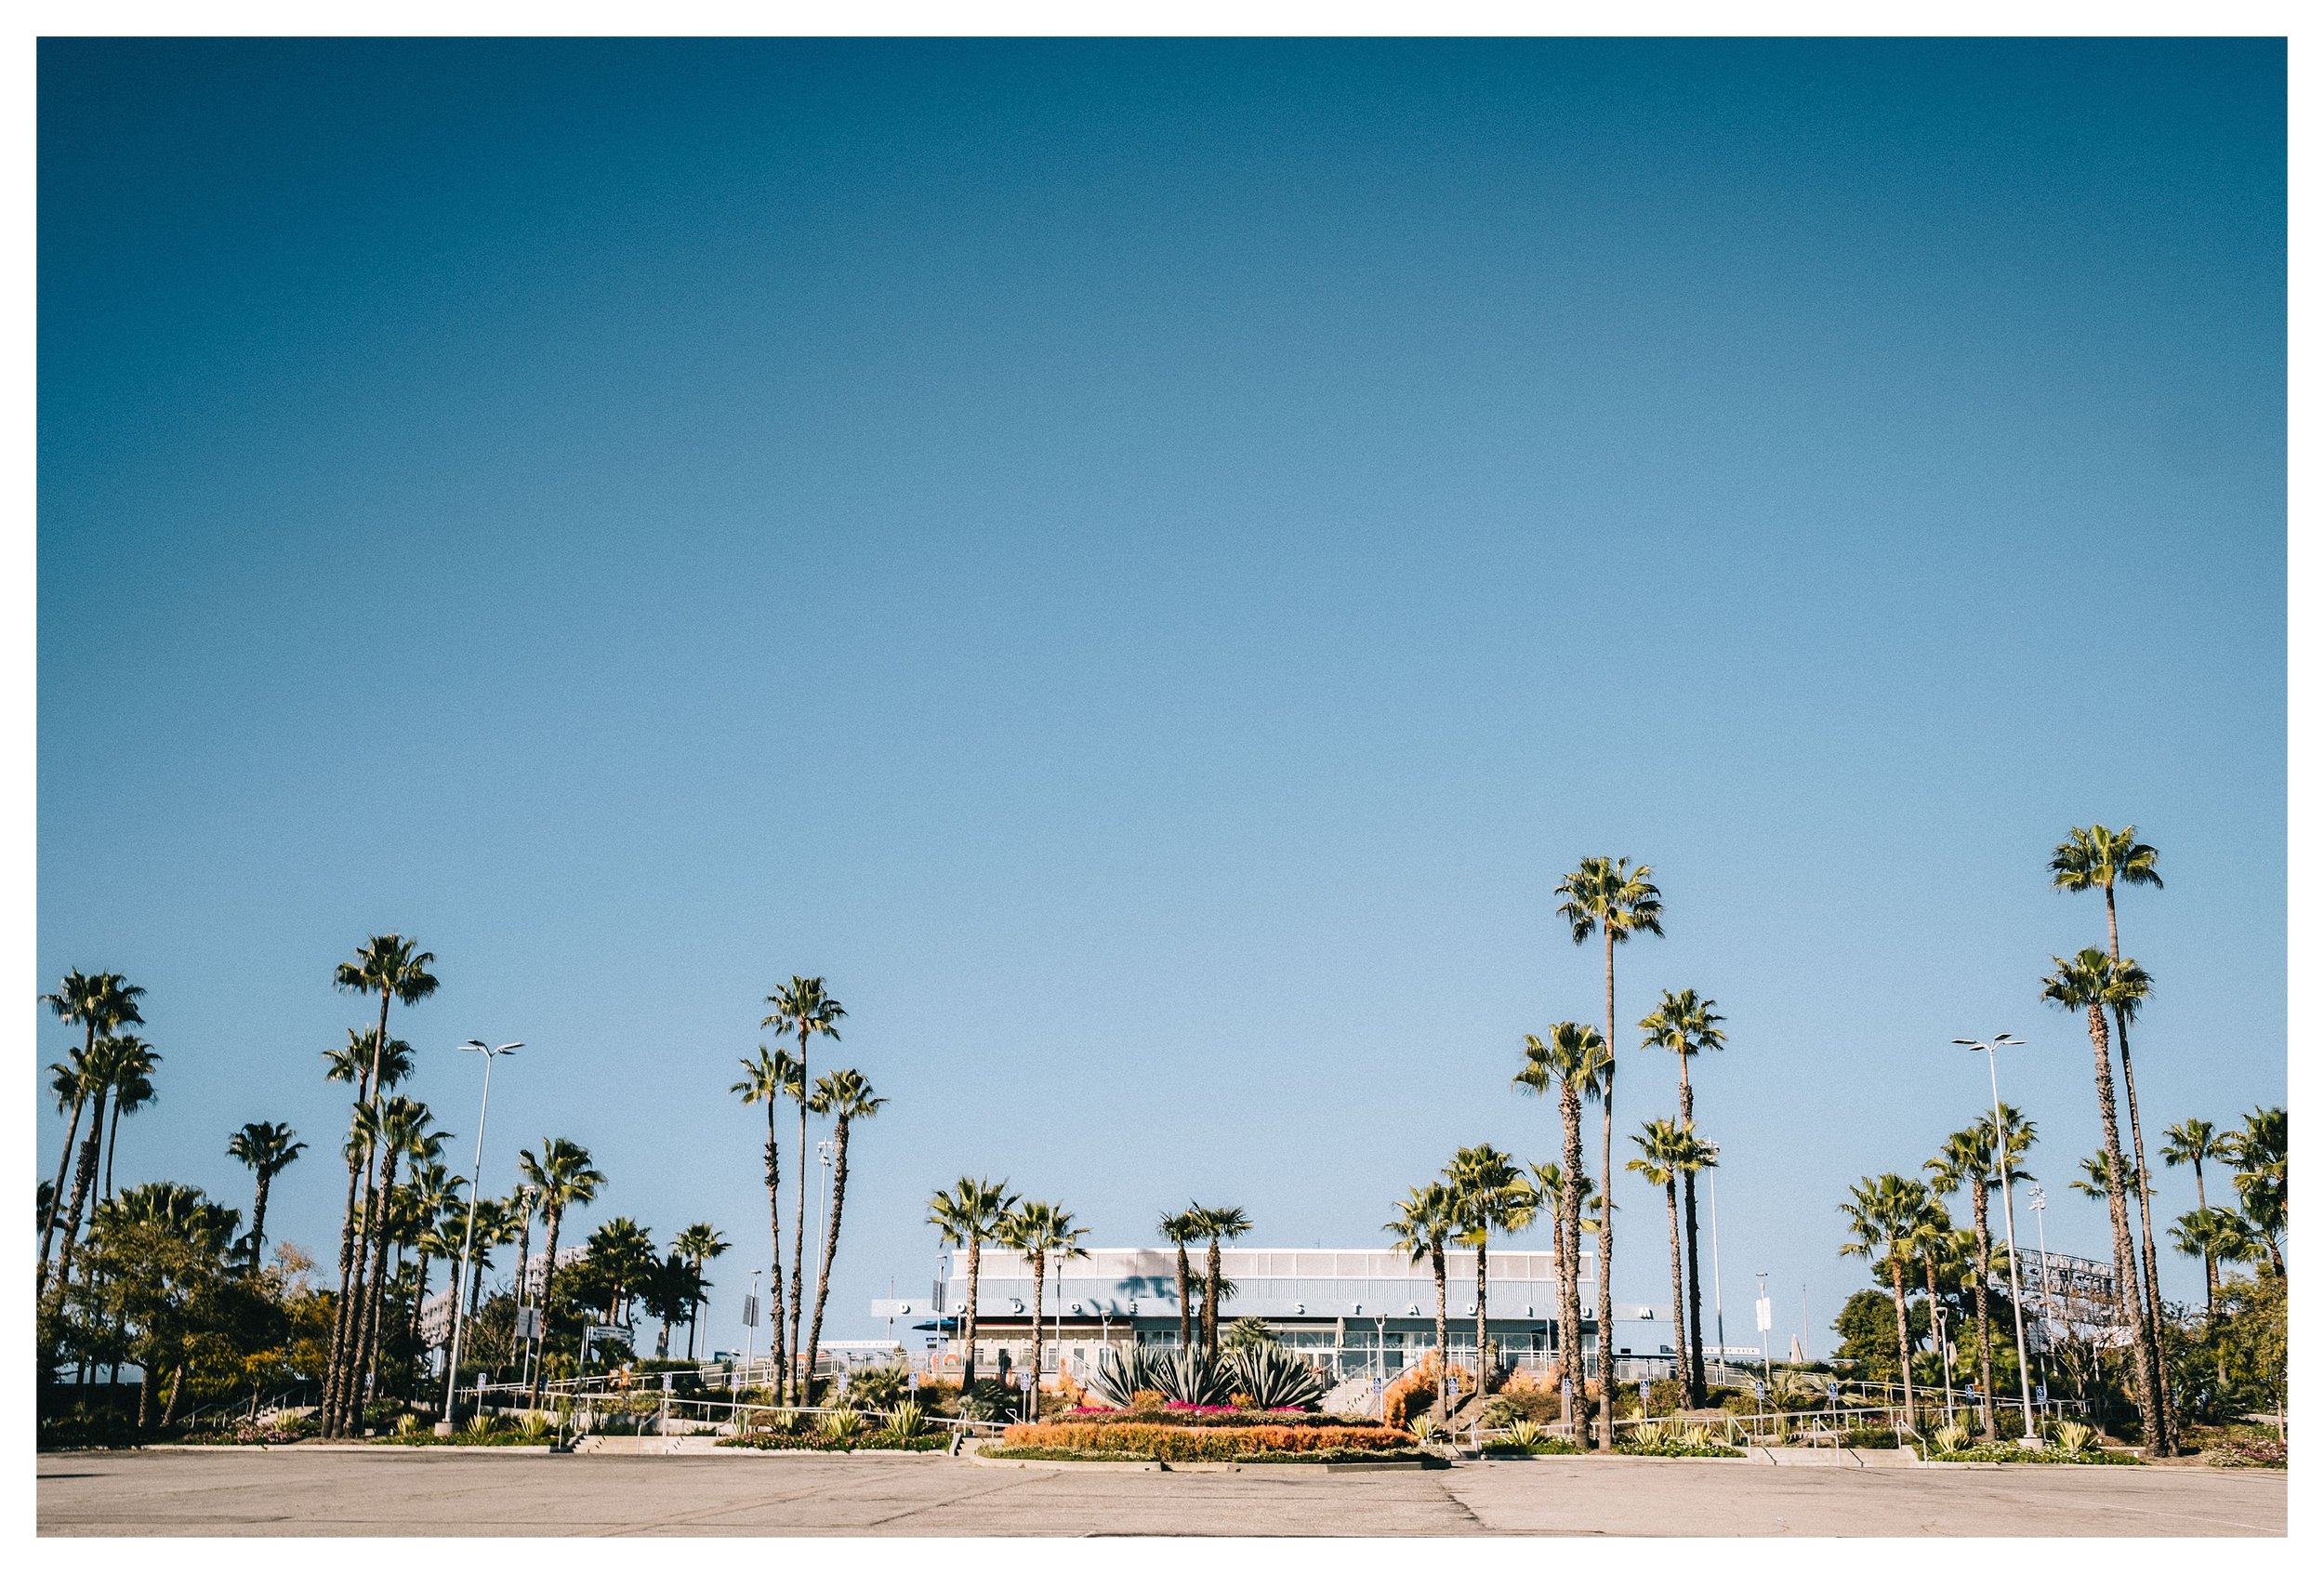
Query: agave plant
point(1424, 1427)
point(536, 1426)
point(480, 1429)
point(1646, 1433)
point(2073, 1436)
point(840, 1425)
point(406, 1424)
point(1524, 1432)
point(1185, 1377)
point(1273, 1377)
point(1951, 1437)
point(1122, 1373)
point(906, 1420)
point(1696, 1437)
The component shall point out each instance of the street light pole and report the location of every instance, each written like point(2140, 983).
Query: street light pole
point(468, 1239)
point(2039, 1201)
point(1992, 1051)
point(1717, 1294)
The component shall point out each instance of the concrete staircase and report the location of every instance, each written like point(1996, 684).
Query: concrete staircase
point(1352, 1397)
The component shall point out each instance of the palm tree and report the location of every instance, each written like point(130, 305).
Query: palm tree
point(1180, 1229)
point(359, 1060)
point(1883, 1214)
point(434, 1194)
point(1424, 1217)
point(69, 1082)
point(267, 1148)
point(133, 1091)
point(103, 1069)
point(100, 1004)
point(1036, 1229)
point(2191, 1142)
point(1661, 1148)
point(1968, 1158)
point(1606, 897)
point(698, 1244)
point(803, 1007)
point(2091, 982)
point(771, 1076)
point(1218, 1224)
point(1489, 1193)
point(844, 1097)
point(396, 1130)
point(561, 1176)
point(967, 1216)
point(1686, 1024)
point(2261, 1154)
point(1574, 1060)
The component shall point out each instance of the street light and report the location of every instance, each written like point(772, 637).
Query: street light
point(1992, 1052)
point(468, 1239)
point(2039, 1201)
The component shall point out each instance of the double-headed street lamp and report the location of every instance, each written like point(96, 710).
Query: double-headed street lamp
point(468, 1239)
point(1992, 1051)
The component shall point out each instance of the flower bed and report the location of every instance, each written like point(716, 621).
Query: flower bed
point(1136, 1437)
point(1204, 1415)
point(1116, 1456)
point(925, 1443)
point(2263, 1453)
point(1508, 1450)
point(2013, 1453)
point(1672, 1449)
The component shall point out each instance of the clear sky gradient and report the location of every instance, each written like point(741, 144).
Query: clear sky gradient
point(1142, 565)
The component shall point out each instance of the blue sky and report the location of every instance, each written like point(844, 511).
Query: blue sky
point(1142, 563)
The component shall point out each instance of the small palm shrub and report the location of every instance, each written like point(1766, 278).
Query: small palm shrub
point(880, 1388)
point(1246, 1333)
point(1274, 1379)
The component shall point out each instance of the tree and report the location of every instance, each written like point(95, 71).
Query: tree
point(843, 1097)
point(101, 1004)
point(1572, 1060)
point(2191, 1142)
point(1661, 1145)
point(267, 1149)
point(1489, 1193)
point(2261, 1154)
point(68, 1080)
point(395, 1130)
point(771, 1076)
point(803, 1007)
point(1180, 1229)
point(561, 1176)
point(434, 1194)
point(1883, 1214)
point(698, 1244)
point(103, 1067)
point(159, 1256)
point(1685, 1024)
point(967, 1216)
point(394, 969)
point(669, 1293)
point(133, 1091)
point(2091, 982)
point(1968, 1158)
point(2092, 858)
point(1606, 897)
point(367, 1066)
point(1036, 1229)
point(1424, 1218)
point(1218, 1224)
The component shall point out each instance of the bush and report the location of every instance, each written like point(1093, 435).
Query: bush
point(880, 1388)
point(1142, 1439)
point(2263, 1453)
point(1274, 1379)
point(1655, 1439)
point(1156, 1415)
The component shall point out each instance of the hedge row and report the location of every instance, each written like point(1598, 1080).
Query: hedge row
point(1208, 1418)
point(1155, 1441)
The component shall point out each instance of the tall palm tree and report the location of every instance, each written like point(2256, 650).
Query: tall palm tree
point(1489, 1193)
point(2091, 983)
point(1608, 898)
point(1883, 1212)
point(103, 1067)
point(843, 1097)
point(1686, 1024)
point(966, 1217)
point(770, 1076)
point(2261, 1154)
point(802, 1007)
point(400, 1130)
point(1425, 1216)
point(2191, 1142)
point(434, 1194)
point(1660, 1147)
point(133, 1091)
point(1218, 1224)
point(2092, 858)
point(69, 1082)
point(101, 1004)
point(267, 1149)
point(1572, 1060)
point(362, 1064)
point(1968, 1159)
point(561, 1176)
point(1180, 1229)
point(698, 1244)
point(1037, 1229)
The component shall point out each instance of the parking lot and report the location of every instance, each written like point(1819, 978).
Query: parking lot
point(427, 1492)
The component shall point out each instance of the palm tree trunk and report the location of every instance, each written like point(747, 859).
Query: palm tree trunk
point(83, 1185)
point(967, 1314)
point(1697, 1375)
point(2210, 1263)
point(342, 1313)
point(2125, 1259)
point(367, 1332)
point(553, 1217)
point(1606, 1215)
point(258, 1216)
point(1444, 1349)
point(1569, 1266)
point(176, 1384)
point(1985, 1324)
point(56, 1195)
point(1212, 1273)
point(1185, 1309)
point(145, 1392)
point(113, 1138)
point(1484, 1370)
point(1904, 1334)
point(1678, 1310)
point(2146, 1237)
point(831, 1240)
point(778, 1348)
point(803, 1385)
point(1040, 1275)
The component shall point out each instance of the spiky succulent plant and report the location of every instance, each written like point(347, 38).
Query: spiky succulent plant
point(1274, 1379)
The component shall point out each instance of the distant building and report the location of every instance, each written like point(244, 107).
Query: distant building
point(1353, 1311)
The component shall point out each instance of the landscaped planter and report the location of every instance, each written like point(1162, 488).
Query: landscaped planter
point(1249, 1438)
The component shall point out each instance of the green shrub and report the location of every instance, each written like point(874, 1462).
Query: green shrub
point(1157, 1441)
point(880, 1388)
point(1274, 1379)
